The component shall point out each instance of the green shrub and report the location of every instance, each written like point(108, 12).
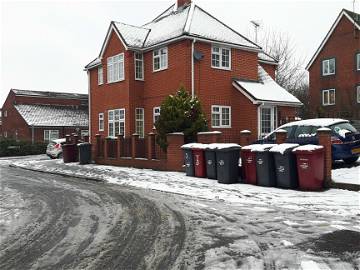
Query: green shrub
point(11, 147)
point(180, 113)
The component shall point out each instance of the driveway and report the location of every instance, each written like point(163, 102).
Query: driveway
point(54, 222)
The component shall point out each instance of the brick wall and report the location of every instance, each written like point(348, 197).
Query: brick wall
point(342, 45)
point(270, 69)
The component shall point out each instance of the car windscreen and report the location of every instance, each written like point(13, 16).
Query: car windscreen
point(340, 128)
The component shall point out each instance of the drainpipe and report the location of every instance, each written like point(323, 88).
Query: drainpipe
point(32, 134)
point(89, 107)
point(192, 69)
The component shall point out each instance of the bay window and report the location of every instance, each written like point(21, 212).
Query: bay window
point(220, 116)
point(115, 68)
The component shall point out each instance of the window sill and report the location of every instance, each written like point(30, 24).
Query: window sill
point(160, 69)
point(141, 80)
point(220, 126)
point(327, 75)
point(221, 68)
point(116, 81)
point(326, 105)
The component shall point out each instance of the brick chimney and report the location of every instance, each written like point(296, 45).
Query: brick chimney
point(181, 3)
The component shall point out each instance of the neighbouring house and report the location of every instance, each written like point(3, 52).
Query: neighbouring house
point(334, 70)
point(40, 116)
point(138, 66)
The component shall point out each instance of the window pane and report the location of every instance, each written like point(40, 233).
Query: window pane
point(215, 60)
point(325, 67)
point(326, 97)
point(332, 97)
point(156, 63)
point(332, 66)
point(225, 61)
point(215, 119)
point(225, 116)
point(111, 115)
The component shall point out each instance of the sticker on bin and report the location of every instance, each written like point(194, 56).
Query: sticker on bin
point(304, 163)
point(249, 160)
point(221, 162)
point(209, 162)
point(281, 169)
point(197, 160)
point(260, 161)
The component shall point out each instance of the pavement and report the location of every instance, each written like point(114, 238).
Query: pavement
point(49, 221)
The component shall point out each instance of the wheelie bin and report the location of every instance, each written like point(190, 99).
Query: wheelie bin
point(70, 153)
point(310, 166)
point(285, 165)
point(210, 160)
point(227, 163)
point(265, 167)
point(84, 153)
point(198, 151)
point(188, 159)
point(248, 165)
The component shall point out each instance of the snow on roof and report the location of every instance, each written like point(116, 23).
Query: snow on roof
point(55, 116)
point(320, 122)
point(266, 89)
point(93, 63)
point(263, 56)
point(48, 94)
point(134, 36)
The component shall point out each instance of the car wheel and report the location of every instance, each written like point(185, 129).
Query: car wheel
point(60, 155)
point(350, 160)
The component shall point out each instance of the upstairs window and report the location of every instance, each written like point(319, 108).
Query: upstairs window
point(101, 121)
point(328, 67)
point(116, 122)
point(220, 57)
point(328, 97)
point(160, 59)
point(115, 68)
point(156, 113)
point(357, 59)
point(220, 116)
point(139, 66)
point(100, 75)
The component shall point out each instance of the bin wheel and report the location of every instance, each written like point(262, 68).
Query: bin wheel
point(350, 160)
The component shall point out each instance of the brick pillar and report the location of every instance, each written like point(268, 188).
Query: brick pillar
point(106, 146)
point(150, 145)
point(98, 145)
point(281, 136)
point(209, 137)
point(245, 137)
point(324, 135)
point(67, 139)
point(134, 142)
point(120, 143)
point(174, 155)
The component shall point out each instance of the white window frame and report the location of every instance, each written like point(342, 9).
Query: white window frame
point(49, 135)
point(273, 120)
point(155, 113)
point(327, 92)
point(163, 55)
point(140, 121)
point(100, 75)
point(326, 63)
point(357, 59)
point(116, 68)
point(113, 133)
point(101, 122)
point(358, 93)
point(139, 61)
point(220, 55)
point(220, 113)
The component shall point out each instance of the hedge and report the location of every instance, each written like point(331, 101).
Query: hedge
point(11, 147)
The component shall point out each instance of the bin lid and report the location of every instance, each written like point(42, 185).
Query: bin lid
point(259, 147)
point(83, 143)
point(223, 146)
point(194, 146)
point(284, 147)
point(308, 148)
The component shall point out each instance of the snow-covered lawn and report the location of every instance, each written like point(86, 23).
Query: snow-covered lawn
point(347, 175)
point(331, 202)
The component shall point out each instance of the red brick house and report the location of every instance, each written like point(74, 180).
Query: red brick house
point(334, 70)
point(39, 116)
point(138, 66)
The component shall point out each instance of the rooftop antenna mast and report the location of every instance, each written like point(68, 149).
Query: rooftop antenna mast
point(256, 26)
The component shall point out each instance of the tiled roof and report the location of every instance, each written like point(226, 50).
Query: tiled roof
point(49, 94)
point(54, 116)
point(353, 15)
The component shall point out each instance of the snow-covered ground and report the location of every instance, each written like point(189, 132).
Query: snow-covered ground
point(347, 175)
point(332, 202)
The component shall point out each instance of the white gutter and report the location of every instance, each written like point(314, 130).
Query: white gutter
point(192, 69)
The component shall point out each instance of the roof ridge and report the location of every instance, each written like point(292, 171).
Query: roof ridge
point(140, 27)
point(157, 17)
point(189, 18)
point(52, 92)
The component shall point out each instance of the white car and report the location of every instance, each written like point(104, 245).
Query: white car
point(54, 148)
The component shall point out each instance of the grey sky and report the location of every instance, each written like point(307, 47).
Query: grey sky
point(46, 44)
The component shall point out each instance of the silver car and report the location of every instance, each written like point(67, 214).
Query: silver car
point(54, 148)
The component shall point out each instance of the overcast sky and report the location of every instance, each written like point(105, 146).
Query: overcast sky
point(46, 44)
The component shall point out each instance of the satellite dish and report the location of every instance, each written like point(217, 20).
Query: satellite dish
point(198, 55)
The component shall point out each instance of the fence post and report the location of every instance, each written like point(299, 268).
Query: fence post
point(324, 135)
point(150, 145)
point(209, 137)
point(245, 137)
point(98, 145)
point(134, 142)
point(281, 135)
point(106, 147)
point(174, 155)
point(67, 139)
point(120, 143)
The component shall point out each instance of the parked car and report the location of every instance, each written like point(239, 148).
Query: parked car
point(345, 138)
point(54, 148)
